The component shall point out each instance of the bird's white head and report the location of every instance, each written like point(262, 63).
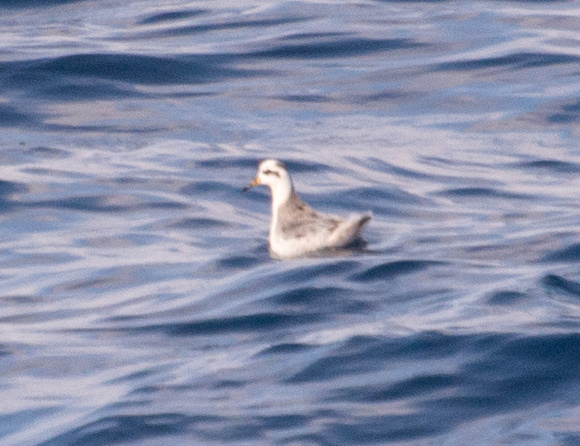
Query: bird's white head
point(273, 173)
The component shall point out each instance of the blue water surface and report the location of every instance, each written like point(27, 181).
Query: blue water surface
point(139, 304)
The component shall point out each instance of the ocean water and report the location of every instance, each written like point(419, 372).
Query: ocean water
point(138, 301)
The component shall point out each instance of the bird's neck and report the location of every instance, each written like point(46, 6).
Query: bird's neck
point(281, 193)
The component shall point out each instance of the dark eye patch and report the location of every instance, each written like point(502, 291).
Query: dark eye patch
point(271, 172)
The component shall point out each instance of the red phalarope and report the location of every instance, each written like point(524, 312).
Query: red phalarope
point(296, 229)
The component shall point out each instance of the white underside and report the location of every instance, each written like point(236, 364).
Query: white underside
point(289, 248)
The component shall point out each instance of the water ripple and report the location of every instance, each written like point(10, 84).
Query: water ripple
point(515, 61)
point(335, 48)
point(393, 269)
point(172, 16)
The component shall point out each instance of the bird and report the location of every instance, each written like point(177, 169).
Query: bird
point(297, 230)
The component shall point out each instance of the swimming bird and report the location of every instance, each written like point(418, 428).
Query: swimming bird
point(296, 229)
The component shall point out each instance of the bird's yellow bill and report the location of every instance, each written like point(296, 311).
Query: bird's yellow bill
point(252, 184)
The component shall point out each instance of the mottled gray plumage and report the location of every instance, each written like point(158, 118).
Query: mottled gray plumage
point(297, 220)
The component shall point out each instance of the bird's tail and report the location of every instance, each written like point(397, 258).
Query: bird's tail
point(351, 230)
point(363, 220)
